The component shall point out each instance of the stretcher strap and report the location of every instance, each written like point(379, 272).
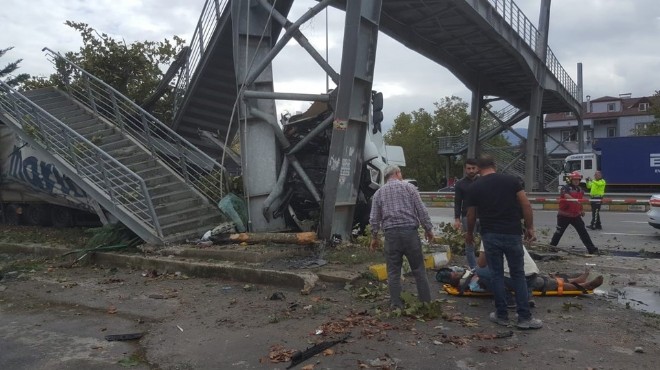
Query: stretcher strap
point(560, 286)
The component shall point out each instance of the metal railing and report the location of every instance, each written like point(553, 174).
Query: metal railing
point(530, 34)
point(194, 166)
point(206, 25)
point(460, 142)
point(118, 184)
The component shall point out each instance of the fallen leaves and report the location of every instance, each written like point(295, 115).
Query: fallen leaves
point(369, 325)
point(278, 353)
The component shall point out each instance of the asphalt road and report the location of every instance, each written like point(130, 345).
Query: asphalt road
point(627, 231)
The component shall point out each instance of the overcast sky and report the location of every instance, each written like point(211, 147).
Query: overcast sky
point(616, 41)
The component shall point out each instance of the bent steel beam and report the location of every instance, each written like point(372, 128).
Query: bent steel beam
point(350, 126)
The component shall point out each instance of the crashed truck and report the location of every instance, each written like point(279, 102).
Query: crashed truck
point(310, 134)
point(34, 192)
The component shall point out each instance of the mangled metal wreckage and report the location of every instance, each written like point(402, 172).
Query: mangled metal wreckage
point(305, 146)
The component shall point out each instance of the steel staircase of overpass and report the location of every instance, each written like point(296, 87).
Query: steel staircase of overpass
point(504, 119)
point(509, 160)
point(140, 171)
point(207, 89)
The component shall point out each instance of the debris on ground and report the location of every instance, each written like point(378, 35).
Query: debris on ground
point(302, 238)
point(301, 356)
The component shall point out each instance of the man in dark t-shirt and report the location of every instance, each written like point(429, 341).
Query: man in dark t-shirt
point(501, 202)
point(460, 206)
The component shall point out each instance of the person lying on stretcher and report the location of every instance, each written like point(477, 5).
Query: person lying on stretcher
point(479, 279)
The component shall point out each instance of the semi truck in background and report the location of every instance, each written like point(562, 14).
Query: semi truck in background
point(34, 192)
point(628, 163)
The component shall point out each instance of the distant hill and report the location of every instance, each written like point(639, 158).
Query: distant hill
point(513, 139)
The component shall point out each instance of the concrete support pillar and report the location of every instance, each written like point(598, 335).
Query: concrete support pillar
point(260, 153)
point(579, 114)
point(535, 161)
point(534, 158)
point(474, 147)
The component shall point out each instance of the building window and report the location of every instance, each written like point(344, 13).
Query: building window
point(611, 107)
point(588, 135)
point(643, 107)
point(606, 122)
point(569, 135)
point(588, 164)
point(643, 125)
point(611, 132)
point(569, 114)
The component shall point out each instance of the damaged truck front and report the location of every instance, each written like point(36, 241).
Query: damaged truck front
point(310, 135)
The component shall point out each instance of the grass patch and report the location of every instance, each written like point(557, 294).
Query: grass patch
point(353, 254)
point(25, 265)
point(69, 237)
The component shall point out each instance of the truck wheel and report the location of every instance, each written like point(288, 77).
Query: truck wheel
point(36, 215)
point(61, 216)
point(10, 215)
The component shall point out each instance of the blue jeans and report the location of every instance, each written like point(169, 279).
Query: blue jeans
point(485, 279)
point(469, 248)
point(401, 242)
point(509, 246)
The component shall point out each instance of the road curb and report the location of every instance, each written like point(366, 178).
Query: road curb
point(304, 280)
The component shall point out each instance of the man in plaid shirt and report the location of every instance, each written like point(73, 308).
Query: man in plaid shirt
point(397, 209)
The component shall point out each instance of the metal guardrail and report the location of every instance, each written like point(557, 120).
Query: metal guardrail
point(530, 34)
point(193, 165)
point(116, 182)
point(634, 202)
point(206, 25)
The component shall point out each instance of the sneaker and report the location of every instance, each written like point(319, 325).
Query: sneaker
point(532, 304)
point(498, 320)
point(593, 250)
point(530, 324)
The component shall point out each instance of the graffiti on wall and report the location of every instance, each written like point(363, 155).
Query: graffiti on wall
point(41, 175)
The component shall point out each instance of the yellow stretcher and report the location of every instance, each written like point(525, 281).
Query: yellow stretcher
point(552, 293)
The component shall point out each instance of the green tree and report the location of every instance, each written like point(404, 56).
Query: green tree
point(419, 134)
point(5, 72)
point(132, 69)
point(652, 128)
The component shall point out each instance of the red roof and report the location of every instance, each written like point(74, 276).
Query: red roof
point(630, 108)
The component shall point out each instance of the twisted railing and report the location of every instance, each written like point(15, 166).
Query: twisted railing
point(118, 184)
point(194, 166)
point(530, 34)
point(206, 25)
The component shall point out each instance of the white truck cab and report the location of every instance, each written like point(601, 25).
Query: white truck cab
point(586, 164)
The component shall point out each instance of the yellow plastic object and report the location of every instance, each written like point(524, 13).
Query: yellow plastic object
point(434, 260)
point(429, 261)
point(379, 271)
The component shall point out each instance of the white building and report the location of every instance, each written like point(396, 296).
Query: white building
point(603, 117)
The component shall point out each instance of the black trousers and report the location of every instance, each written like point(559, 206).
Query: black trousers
point(562, 224)
point(595, 212)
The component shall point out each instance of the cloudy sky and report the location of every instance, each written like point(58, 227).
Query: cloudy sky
point(616, 41)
